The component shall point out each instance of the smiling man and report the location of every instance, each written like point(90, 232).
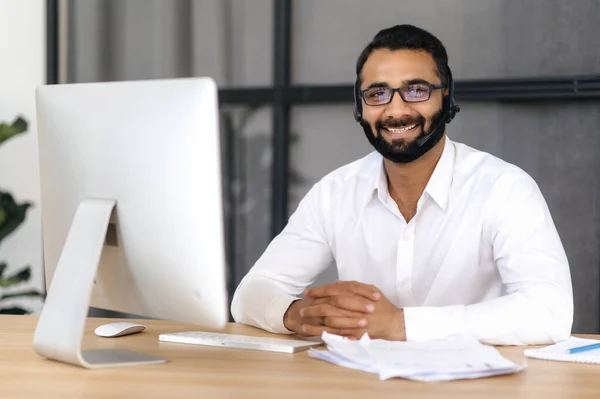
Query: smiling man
point(430, 237)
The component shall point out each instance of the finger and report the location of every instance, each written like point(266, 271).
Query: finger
point(318, 301)
point(327, 310)
point(315, 321)
point(326, 290)
point(338, 288)
point(312, 321)
point(344, 322)
point(353, 303)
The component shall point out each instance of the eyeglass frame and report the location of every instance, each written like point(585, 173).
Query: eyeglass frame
point(431, 86)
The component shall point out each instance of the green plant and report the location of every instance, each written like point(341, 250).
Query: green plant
point(12, 214)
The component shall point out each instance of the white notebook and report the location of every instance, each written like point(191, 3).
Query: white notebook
point(559, 351)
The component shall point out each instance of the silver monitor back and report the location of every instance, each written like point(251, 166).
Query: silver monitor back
point(150, 148)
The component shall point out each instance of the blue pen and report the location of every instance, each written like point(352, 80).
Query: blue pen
point(584, 348)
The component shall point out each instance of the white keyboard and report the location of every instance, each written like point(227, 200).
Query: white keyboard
point(239, 341)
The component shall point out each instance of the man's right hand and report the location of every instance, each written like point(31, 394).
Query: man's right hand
point(293, 320)
point(336, 308)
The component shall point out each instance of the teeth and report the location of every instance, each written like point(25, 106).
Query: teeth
point(402, 130)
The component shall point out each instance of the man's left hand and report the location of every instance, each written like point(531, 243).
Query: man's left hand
point(384, 321)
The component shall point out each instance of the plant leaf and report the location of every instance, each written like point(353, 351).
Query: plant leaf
point(20, 277)
point(14, 214)
point(18, 126)
point(14, 310)
point(30, 294)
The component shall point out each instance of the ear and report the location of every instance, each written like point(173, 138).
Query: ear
point(447, 91)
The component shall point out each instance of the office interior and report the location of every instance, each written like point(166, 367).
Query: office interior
point(527, 78)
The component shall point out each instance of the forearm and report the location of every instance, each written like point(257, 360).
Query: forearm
point(290, 263)
point(261, 303)
point(525, 317)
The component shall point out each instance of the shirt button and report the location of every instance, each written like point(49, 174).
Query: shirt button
point(405, 282)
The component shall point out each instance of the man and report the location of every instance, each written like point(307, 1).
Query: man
point(430, 237)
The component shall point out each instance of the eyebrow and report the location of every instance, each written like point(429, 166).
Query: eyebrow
point(406, 82)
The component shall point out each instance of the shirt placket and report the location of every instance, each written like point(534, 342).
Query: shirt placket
point(404, 265)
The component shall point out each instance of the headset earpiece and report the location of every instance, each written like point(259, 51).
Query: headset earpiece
point(357, 102)
point(453, 107)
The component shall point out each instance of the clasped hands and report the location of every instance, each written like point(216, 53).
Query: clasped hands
point(346, 308)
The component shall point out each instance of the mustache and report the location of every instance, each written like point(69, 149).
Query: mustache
point(396, 123)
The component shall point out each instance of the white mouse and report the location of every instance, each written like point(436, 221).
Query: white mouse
point(119, 329)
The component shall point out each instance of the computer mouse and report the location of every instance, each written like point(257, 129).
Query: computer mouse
point(118, 329)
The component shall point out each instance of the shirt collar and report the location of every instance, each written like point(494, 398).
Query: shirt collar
point(440, 182)
point(438, 187)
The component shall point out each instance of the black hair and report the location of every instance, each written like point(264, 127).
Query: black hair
point(407, 37)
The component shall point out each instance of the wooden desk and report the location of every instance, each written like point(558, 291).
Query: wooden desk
point(208, 372)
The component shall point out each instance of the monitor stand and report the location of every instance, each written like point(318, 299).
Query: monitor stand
point(62, 321)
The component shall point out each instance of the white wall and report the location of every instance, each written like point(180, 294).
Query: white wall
point(22, 68)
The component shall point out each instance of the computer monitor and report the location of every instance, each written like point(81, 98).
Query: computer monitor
point(131, 200)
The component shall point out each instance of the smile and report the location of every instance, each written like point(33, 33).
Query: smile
point(401, 130)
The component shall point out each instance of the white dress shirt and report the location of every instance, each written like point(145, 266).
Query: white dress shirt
point(481, 256)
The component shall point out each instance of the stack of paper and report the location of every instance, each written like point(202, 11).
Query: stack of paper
point(436, 360)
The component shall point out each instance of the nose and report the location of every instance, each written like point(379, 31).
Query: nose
point(397, 107)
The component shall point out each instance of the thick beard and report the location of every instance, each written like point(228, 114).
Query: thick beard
point(401, 151)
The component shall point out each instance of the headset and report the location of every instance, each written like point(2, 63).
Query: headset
point(449, 104)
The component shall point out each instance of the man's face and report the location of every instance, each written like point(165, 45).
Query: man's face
point(395, 129)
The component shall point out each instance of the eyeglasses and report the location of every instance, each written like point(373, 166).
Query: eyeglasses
point(412, 93)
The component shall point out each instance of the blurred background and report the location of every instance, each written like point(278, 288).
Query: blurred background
point(527, 79)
